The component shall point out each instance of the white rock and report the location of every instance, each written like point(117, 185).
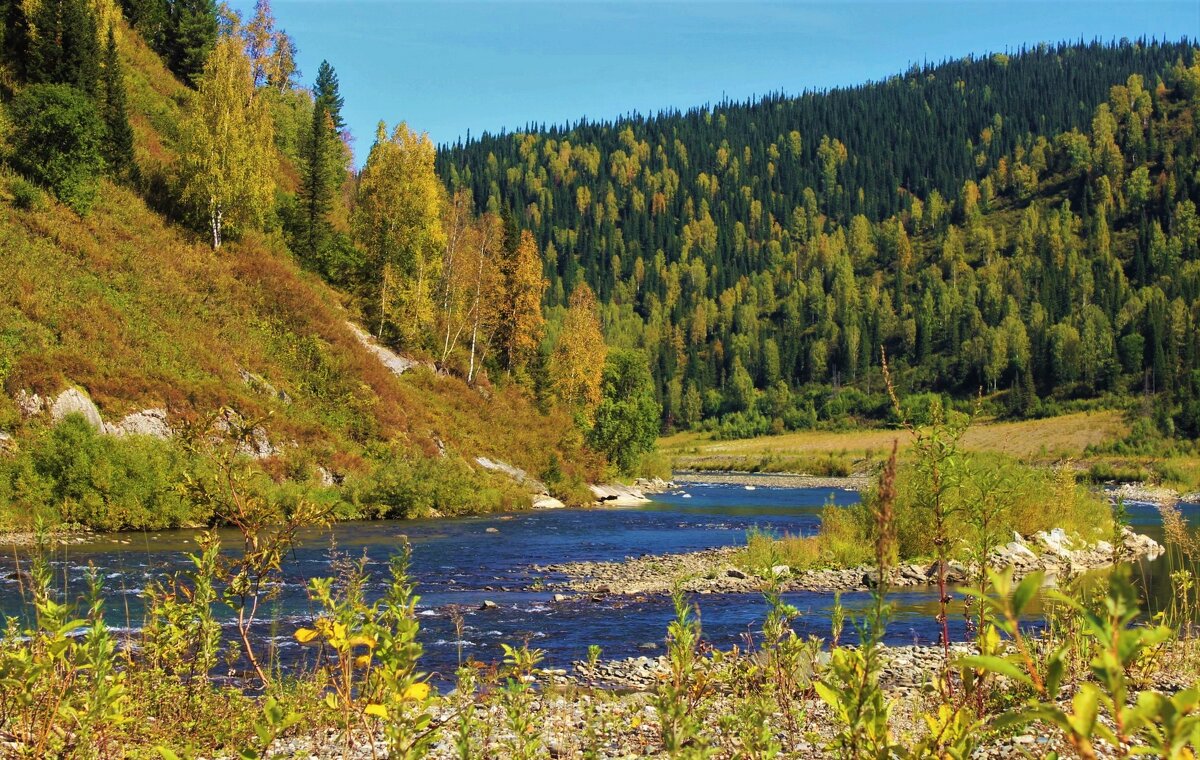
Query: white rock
point(75, 401)
point(148, 422)
point(29, 404)
point(547, 502)
point(393, 361)
point(1056, 542)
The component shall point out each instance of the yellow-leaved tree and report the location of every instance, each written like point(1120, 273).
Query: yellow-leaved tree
point(227, 156)
point(398, 221)
point(519, 319)
point(577, 362)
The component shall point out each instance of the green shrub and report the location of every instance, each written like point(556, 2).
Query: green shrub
point(72, 474)
point(25, 195)
point(56, 135)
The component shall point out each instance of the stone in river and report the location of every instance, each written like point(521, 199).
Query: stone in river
point(488, 604)
point(492, 530)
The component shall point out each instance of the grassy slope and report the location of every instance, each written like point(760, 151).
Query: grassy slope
point(140, 313)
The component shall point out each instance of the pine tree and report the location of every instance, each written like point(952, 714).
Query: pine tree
point(118, 147)
point(15, 43)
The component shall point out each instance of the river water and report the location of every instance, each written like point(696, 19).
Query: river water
point(459, 563)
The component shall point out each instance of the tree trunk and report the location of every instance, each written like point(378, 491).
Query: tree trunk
point(215, 219)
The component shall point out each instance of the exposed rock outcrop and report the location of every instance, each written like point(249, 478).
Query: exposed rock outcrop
point(148, 422)
point(393, 361)
point(74, 401)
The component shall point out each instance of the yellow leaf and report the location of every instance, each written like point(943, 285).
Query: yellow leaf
point(339, 631)
point(305, 635)
point(360, 640)
point(379, 711)
point(417, 692)
point(362, 661)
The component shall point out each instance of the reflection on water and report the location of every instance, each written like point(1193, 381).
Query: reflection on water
point(458, 564)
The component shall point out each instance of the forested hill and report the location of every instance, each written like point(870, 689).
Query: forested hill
point(629, 187)
point(1024, 224)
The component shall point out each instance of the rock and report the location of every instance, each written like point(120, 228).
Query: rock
point(491, 530)
point(733, 572)
point(547, 502)
point(781, 570)
point(75, 401)
point(488, 604)
point(559, 598)
point(328, 479)
point(148, 422)
point(7, 444)
point(649, 646)
point(29, 404)
point(396, 363)
point(1056, 542)
point(618, 495)
point(1014, 553)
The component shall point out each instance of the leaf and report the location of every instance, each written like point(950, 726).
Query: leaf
point(379, 711)
point(305, 635)
point(417, 692)
point(999, 665)
point(362, 661)
point(166, 753)
point(1025, 592)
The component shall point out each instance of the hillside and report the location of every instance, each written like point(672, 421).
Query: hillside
point(129, 305)
point(1021, 225)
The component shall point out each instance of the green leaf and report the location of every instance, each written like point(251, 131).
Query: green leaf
point(1025, 591)
point(999, 665)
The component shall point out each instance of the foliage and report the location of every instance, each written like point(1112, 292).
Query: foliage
point(397, 221)
point(577, 363)
point(56, 141)
point(627, 419)
point(784, 240)
point(226, 160)
point(72, 474)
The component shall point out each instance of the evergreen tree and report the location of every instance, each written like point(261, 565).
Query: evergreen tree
point(15, 43)
point(65, 48)
point(323, 163)
point(118, 146)
point(192, 35)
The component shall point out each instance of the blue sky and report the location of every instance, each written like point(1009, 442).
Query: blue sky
point(451, 66)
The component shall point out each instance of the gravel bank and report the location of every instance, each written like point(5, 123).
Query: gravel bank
point(715, 571)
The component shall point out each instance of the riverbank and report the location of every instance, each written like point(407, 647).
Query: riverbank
point(610, 711)
point(718, 571)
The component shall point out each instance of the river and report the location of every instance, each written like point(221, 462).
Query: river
point(459, 563)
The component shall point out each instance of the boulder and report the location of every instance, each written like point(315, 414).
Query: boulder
point(7, 444)
point(1055, 542)
point(29, 404)
point(547, 502)
point(733, 572)
point(75, 401)
point(488, 604)
point(148, 422)
point(781, 570)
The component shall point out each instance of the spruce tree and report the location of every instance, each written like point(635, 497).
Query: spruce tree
point(118, 148)
point(14, 45)
point(192, 36)
point(66, 49)
point(323, 167)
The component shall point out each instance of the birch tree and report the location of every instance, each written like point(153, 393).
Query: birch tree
point(397, 220)
point(227, 160)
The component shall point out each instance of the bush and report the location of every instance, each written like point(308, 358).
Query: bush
point(407, 486)
point(56, 135)
point(25, 195)
point(102, 482)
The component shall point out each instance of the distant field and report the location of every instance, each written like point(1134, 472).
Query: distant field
point(1053, 438)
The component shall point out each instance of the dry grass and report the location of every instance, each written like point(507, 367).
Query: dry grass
point(1048, 439)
